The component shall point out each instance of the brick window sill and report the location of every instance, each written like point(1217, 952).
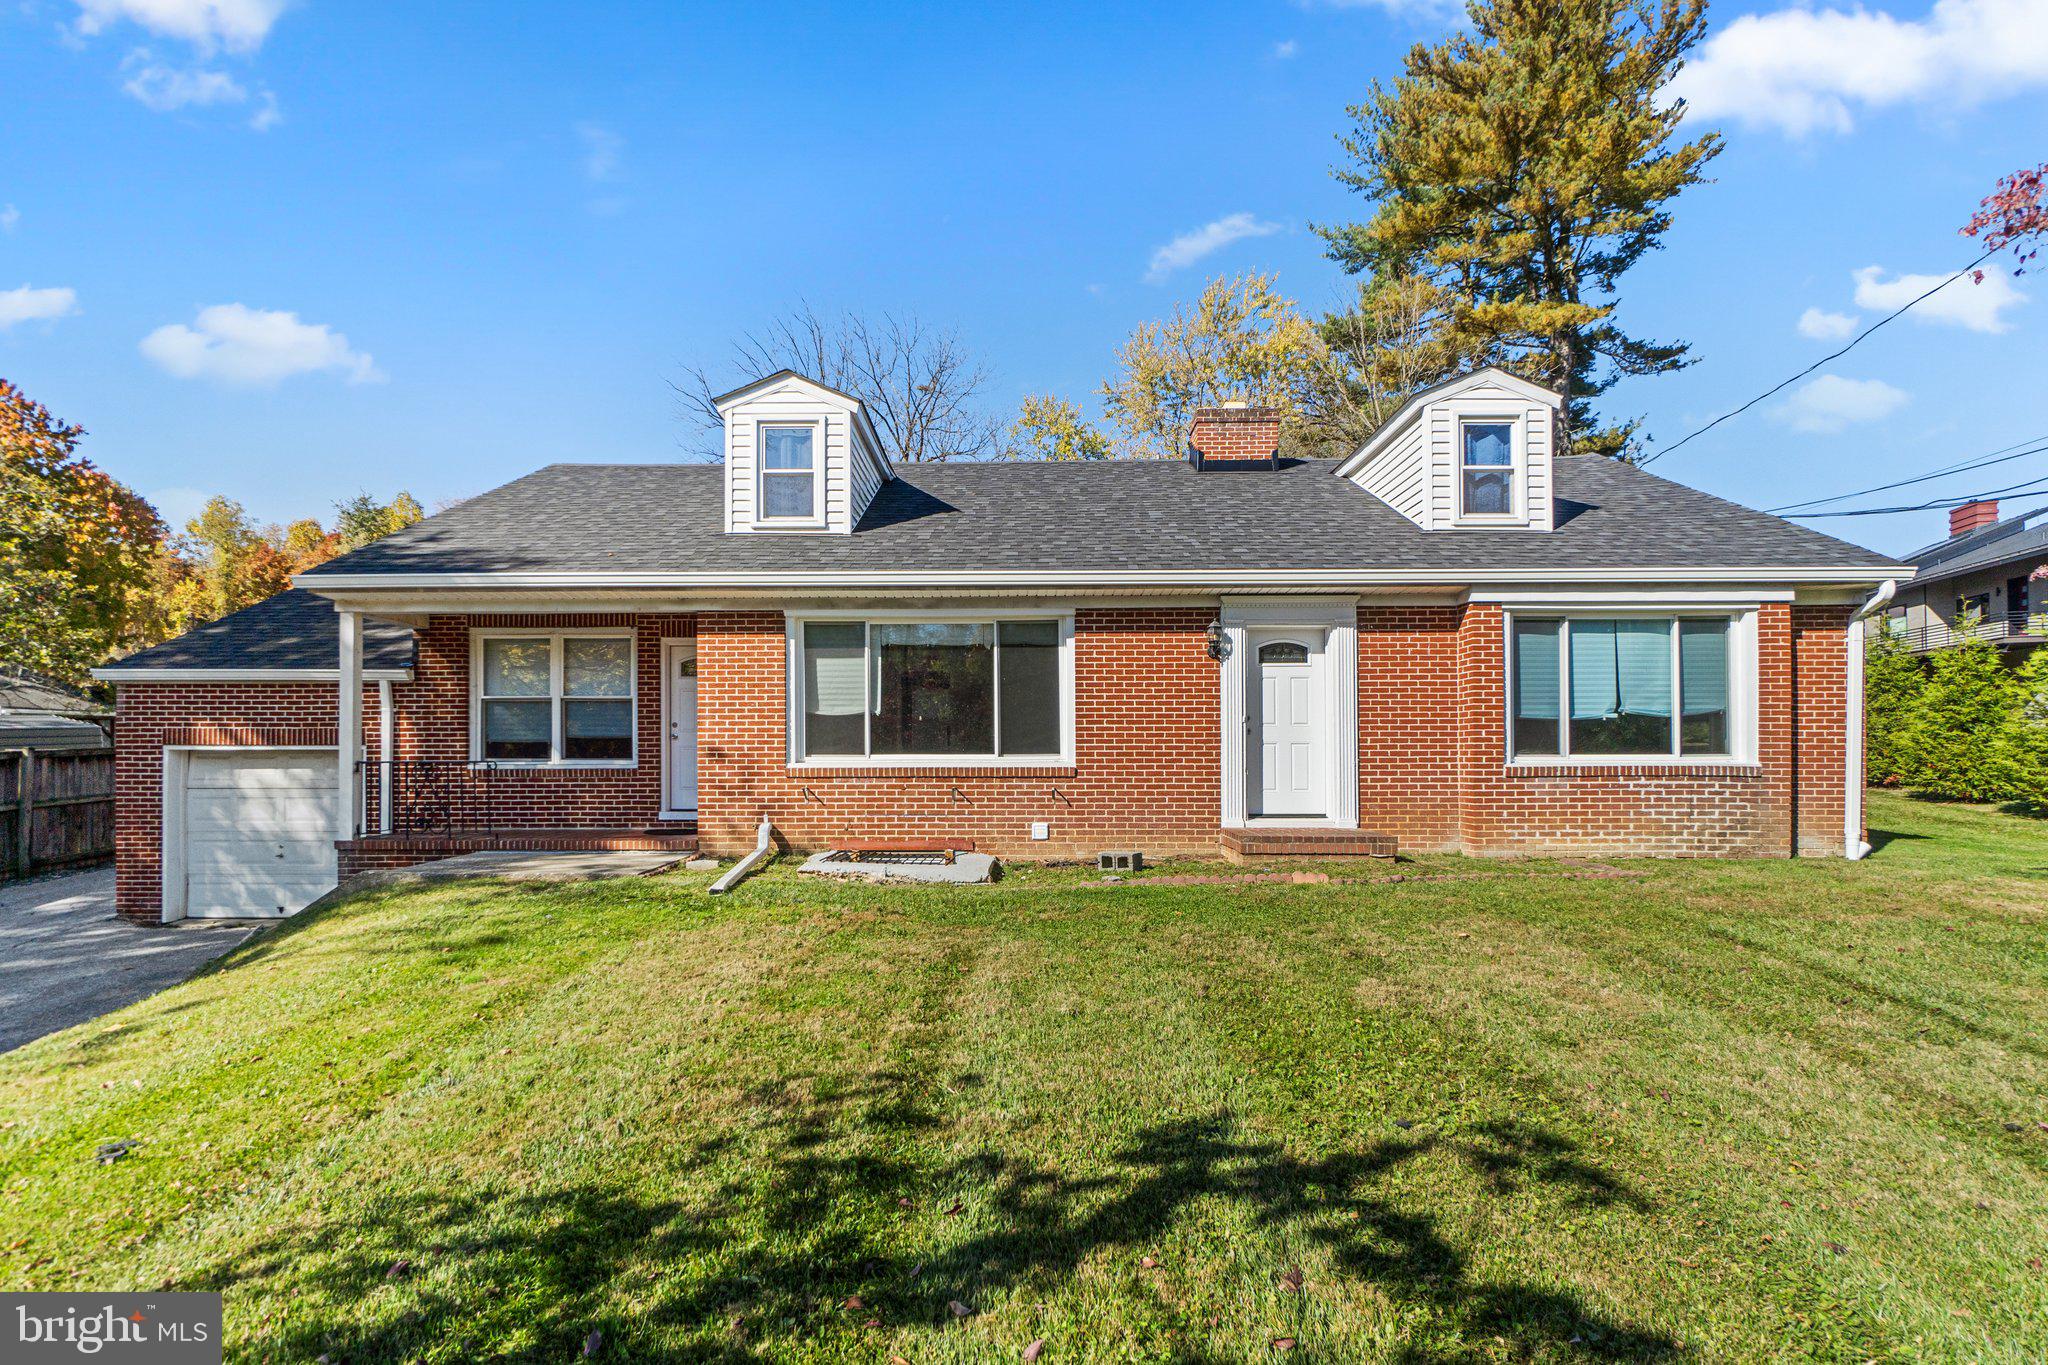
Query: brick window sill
point(858, 772)
point(1634, 770)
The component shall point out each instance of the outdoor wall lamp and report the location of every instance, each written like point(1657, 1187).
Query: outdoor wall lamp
point(1219, 643)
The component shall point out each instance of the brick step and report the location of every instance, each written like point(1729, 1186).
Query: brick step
point(1305, 841)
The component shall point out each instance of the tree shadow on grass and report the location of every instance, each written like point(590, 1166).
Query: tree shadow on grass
point(825, 1221)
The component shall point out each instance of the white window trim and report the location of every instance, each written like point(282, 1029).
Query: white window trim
point(554, 697)
point(793, 648)
point(1517, 465)
point(1742, 687)
point(817, 518)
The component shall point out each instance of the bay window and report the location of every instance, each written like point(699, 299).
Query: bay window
point(548, 698)
point(1621, 687)
point(943, 689)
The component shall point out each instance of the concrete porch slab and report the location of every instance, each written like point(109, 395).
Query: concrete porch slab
point(965, 869)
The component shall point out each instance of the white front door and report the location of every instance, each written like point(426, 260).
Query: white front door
point(680, 691)
point(1289, 727)
point(257, 831)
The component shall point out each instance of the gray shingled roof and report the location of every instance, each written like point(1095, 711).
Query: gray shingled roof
point(1112, 515)
point(2011, 539)
point(294, 629)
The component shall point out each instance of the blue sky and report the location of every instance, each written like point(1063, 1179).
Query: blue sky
point(292, 251)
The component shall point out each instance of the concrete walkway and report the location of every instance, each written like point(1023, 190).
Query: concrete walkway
point(65, 958)
point(586, 865)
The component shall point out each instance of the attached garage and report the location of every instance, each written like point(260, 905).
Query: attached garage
point(248, 833)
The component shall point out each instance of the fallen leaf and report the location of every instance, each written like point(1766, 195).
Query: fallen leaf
point(960, 1310)
point(1836, 1247)
point(1283, 1343)
point(1034, 1350)
point(852, 1302)
point(591, 1343)
point(1148, 1263)
point(956, 1210)
point(1291, 1281)
point(399, 1269)
point(872, 1322)
point(903, 1203)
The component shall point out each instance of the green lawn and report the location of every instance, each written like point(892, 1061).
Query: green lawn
point(1486, 1111)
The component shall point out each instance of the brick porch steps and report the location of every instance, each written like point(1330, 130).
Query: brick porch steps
point(1305, 841)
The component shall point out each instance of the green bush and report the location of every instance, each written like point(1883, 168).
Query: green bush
point(2023, 740)
point(1952, 745)
point(1893, 680)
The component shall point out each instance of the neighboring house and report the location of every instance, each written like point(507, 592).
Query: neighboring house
point(1454, 639)
point(46, 715)
point(1987, 581)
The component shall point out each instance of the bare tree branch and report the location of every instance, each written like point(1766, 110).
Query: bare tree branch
point(918, 383)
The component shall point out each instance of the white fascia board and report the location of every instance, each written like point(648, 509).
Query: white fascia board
point(128, 676)
point(946, 582)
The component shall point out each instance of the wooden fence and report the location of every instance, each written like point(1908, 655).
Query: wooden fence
point(55, 809)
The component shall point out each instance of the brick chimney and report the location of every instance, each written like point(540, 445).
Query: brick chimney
point(1234, 436)
point(1971, 516)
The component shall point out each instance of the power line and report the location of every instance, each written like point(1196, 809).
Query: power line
point(2026, 489)
point(1856, 341)
point(1996, 457)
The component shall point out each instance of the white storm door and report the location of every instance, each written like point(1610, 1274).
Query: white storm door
point(259, 830)
point(1289, 745)
point(681, 690)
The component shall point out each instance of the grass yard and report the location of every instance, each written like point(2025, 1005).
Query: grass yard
point(1488, 1111)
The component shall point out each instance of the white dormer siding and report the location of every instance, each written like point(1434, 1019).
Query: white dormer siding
point(1416, 463)
point(793, 414)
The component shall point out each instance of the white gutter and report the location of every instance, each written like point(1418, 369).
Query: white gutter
point(843, 581)
point(763, 845)
point(116, 673)
point(1854, 846)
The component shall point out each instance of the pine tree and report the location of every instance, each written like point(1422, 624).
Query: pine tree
point(1522, 168)
point(1893, 681)
point(1952, 744)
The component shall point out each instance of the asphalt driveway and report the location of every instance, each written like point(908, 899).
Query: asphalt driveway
point(65, 958)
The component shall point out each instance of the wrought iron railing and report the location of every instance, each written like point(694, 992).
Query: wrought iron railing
point(428, 795)
point(2018, 627)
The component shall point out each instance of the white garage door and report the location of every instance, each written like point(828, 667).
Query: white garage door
point(259, 831)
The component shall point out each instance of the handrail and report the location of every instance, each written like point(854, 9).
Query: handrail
point(433, 795)
point(2011, 625)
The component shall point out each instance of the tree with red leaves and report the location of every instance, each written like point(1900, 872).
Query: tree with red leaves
point(2013, 215)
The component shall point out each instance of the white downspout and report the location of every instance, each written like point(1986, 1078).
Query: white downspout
point(1853, 844)
point(384, 747)
point(763, 845)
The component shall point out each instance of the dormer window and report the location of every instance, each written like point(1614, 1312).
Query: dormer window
point(1487, 469)
point(789, 473)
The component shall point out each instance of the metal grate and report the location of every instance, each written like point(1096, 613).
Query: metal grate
point(891, 857)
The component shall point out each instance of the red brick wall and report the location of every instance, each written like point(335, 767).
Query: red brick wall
point(1432, 767)
point(1147, 752)
point(433, 723)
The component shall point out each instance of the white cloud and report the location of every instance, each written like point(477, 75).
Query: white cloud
point(1430, 9)
point(35, 305)
point(1980, 307)
point(1830, 403)
point(1189, 247)
point(1285, 48)
point(9, 216)
point(165, 88)
point(603, 149)
point(237, 25)
point(1822, 325)
point(1803, 70)
point(236, 344)
point(267, 115)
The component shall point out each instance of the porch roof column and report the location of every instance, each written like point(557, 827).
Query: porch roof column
point(349, 725)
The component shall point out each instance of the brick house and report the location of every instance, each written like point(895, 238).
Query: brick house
point(1456, 639)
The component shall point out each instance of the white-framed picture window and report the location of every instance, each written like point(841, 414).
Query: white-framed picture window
point(931, 691)
point(553, 698)
point(1615, 688)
